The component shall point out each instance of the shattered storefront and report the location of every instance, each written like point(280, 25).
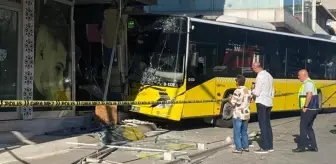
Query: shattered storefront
point(36, 59)
point(9, 50)
point(102, 37)
point(41, 51)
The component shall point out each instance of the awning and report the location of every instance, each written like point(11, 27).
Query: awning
point(246, 22)
point(131, 2)
point(321, 6)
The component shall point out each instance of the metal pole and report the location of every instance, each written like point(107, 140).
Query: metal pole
point(73, 58)
point(126, 88)
point(314, 15)
point(293, 7)
point(112, 54)
point(257, 10)
point(286, 61)
point(302, 10)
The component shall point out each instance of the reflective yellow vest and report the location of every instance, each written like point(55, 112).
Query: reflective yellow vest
point(314, 102)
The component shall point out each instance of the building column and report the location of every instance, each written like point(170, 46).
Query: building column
point(313, 15)
point(27, 55)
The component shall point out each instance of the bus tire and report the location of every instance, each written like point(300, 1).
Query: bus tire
point(225, 119)
point(223, 123)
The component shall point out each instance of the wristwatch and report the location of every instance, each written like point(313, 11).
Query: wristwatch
point(305, 107)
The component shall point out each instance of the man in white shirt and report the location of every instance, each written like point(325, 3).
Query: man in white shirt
point(264, 93)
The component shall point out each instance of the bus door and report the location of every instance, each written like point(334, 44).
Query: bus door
point(200, 80)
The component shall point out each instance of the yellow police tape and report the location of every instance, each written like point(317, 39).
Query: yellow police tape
point(38, 103)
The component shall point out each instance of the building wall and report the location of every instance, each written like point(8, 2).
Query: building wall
point(300, 9)
point(218, 7)
point(10, 41)
point(330, 4)
point(186, 6)
point(221, 5)
point(35, 55)
point(213, 5)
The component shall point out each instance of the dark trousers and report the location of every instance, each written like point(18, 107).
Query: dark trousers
point(264, 119)
point(306, 129)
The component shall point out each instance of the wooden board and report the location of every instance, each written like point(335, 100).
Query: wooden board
point(107, 114)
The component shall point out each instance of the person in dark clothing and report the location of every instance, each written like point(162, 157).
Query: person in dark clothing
point(309, 105)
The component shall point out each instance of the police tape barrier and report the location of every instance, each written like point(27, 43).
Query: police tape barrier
point(37, 103)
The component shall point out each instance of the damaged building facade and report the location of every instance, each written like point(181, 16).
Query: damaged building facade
point(49, 49)
point(304, 17)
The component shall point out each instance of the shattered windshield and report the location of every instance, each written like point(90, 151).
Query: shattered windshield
point(161, 41)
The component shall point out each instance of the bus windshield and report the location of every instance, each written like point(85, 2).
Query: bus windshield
point(161, 43)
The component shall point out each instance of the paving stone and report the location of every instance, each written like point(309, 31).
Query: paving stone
point(283, 145)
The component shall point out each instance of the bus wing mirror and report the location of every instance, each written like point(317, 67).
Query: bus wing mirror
point(194, 60)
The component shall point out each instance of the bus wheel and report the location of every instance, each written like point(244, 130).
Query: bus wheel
point(225, 119)
point(227, 111)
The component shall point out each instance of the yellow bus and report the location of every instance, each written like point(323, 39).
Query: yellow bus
point(197, 59)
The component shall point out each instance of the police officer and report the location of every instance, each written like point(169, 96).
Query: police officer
point(309, 105)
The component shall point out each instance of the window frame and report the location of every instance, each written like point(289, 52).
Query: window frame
point(16, 7)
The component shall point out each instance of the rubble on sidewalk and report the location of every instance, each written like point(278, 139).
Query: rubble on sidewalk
point(120, 133)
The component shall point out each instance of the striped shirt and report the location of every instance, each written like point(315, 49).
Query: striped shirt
point(241, 100)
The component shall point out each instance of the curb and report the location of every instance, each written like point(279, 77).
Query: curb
point(201, 154)
point(35, 151)
point(15, 137)
point(50, 148)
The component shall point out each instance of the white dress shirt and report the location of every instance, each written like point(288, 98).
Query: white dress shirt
point(264, 90)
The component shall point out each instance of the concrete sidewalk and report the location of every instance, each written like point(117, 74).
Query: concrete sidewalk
point(284, 138)
point(21, 132)
point(17, 152)
point(185, 140)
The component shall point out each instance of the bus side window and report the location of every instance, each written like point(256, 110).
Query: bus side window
point(192, 64)
point(296, 54)
point(317, 62)
point(206, 59)
point(202, 63)
point(270, 54)
point(200, 67)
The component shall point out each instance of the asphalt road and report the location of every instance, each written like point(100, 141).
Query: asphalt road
point(284, 142)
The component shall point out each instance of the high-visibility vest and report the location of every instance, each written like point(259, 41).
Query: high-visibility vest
point(314, 102)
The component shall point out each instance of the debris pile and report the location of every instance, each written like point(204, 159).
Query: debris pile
point(120, 133)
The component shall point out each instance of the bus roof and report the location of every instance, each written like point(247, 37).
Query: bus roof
point(258, 29)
